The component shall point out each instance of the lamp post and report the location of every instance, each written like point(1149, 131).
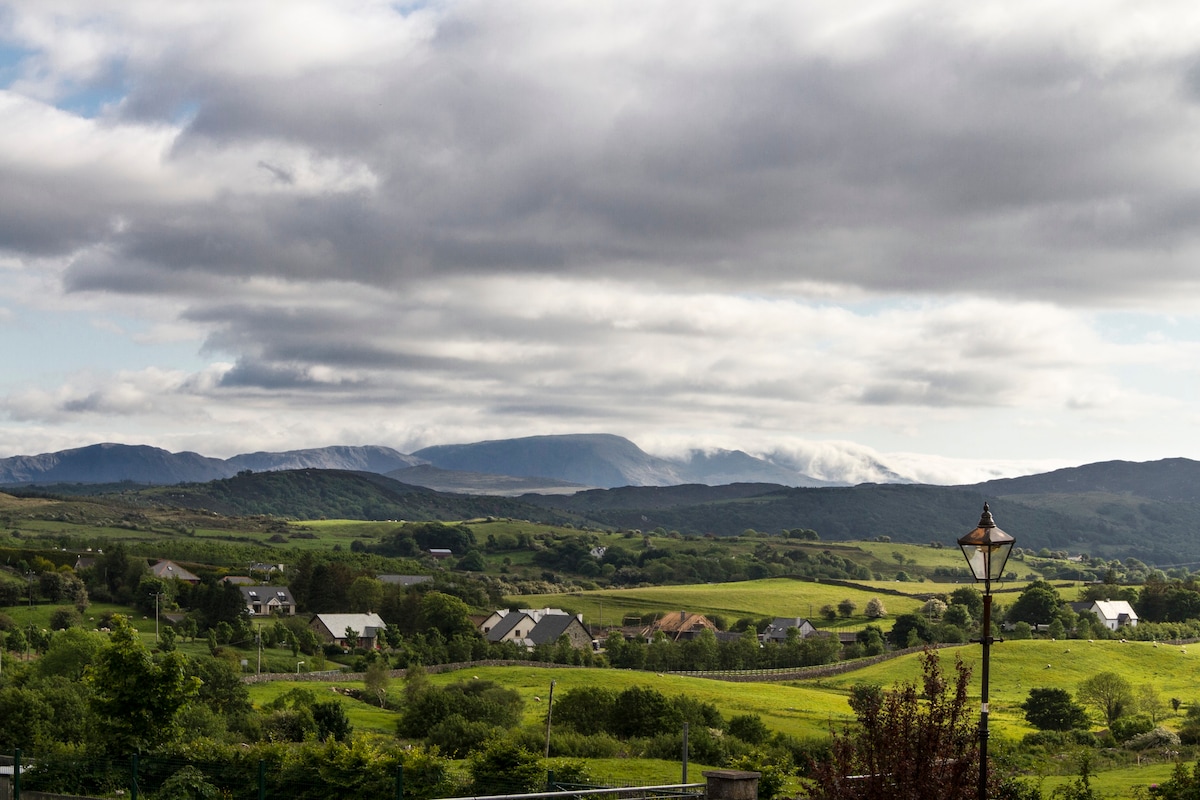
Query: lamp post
point(986, 549)
point(299, 664)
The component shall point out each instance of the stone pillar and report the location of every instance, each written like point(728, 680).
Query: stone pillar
point(732, 784)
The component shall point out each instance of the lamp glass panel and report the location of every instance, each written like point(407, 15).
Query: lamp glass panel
point(977, 559)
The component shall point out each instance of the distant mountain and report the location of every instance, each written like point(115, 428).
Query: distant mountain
point(1171, 479)
point(371, 458)
point(550, 464)
point(111, 463)
point(607, 461)
point(114, 463)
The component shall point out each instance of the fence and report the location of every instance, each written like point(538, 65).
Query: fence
point(52, 778)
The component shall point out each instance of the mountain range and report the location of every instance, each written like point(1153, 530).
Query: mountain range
point(535, 464)
point(1114, 509)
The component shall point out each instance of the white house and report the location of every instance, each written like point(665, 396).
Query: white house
point(1115, 613)
point(333, 627)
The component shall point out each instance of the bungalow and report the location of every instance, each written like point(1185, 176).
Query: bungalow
point(268, 600)
point(169, 570)
point(778, 629)
point(1115, 613)
point(333, 628)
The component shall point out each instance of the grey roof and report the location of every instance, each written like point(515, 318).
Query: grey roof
point(550, 627)
point(265, 594)
point(506, 624)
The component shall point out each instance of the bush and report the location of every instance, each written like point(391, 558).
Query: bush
point(749, 728)
point(505, 768)
point(1125, 728)
point(1159, 738)
point(572, 744)
point(63, 618)
point(458, 737)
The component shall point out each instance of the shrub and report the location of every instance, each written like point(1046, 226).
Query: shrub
point(1160, 738)
point(749, 728)
point(505, 768)
point(1126, 728)
point(457, 737)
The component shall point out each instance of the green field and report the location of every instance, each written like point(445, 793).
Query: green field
point(772, 597)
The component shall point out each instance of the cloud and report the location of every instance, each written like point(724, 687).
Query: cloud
point(702, 223)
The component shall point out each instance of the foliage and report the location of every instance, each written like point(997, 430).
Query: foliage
point(1108, 693)
point(504, 767)
point(1052, 709)
point(911, 742)
point(135, 695)
point(1037, 604)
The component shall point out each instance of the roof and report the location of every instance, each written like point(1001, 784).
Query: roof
point(365, 624)
point(780, 625)
point(550, 627)
point(265, 594)
point(676, 624)
point(506, 624)
point(239, 580)
point(1115, 609)
point(169, 569)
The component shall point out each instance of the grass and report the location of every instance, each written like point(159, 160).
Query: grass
point(772, 597)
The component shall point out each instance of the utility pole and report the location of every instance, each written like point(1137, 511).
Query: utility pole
point(157, 595)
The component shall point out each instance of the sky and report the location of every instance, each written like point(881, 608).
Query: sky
point(961, 240)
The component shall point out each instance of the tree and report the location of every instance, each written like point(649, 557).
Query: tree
point(1150, 702)
point(970, 597)
point(847, 607)
point(365, 595)
point(376, 680)
point(1054, 710)
point(1037, 605)
point(911, 743)
point(933, 608)
point(135, 695)
point(1108, 693)
point(875, 609)
point(828, 612)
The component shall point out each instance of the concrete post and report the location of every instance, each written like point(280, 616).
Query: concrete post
point(732, 784)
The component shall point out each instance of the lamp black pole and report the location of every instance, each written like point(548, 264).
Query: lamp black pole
point(986, 640)
point(986, 549)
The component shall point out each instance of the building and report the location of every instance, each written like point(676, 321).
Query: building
point(268, 600)
point(169, 570)
point(531, 627)
point(679, 627)
point(777, 630)
point(332, 628)
point(1115, 613)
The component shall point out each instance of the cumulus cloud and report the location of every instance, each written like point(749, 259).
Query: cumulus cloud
point(708, 223)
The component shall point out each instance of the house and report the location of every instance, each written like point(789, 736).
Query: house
point(333, 627)
point(169, 570)
point(531, 627)
point(552, 626)
point(491, 620)
point(777, 630)
point(680, 627)
point(1115, 613)
point(84, 562)
point(513, 626)
point(268, 600)
point(405, 580)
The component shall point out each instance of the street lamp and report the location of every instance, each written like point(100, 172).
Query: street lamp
point(986, 549)
point(298, 665)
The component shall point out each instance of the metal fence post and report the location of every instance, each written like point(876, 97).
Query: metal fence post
point(17, 774)
point(550, 780)
point(399, 782)
point(133, 769)
point(262, 780)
